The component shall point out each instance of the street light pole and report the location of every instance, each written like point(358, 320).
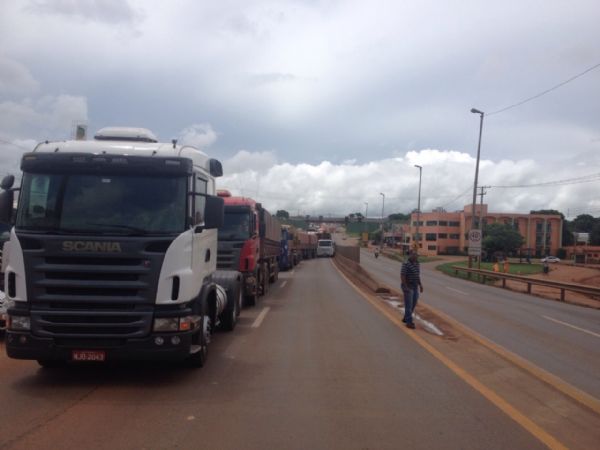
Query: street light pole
point(481, 114)
point(419, 208)
point(382, 209)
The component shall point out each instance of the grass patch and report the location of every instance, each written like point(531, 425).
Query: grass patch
point(422, 259)
point(514, 268)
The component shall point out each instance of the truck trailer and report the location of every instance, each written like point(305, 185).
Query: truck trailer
point(249, 242)
point(113, 252)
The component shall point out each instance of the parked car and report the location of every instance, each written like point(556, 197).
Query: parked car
point(550, 259)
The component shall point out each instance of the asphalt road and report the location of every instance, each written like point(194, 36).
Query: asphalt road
point(321, 368)
point(563, 339)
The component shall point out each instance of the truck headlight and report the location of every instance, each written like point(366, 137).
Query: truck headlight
point(19, 323)
point(166, 324)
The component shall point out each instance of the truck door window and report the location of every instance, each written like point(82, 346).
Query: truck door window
point(199, 200)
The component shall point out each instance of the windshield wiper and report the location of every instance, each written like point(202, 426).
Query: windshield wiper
point(134, 230)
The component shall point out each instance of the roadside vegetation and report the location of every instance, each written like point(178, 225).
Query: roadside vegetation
point(514, 269)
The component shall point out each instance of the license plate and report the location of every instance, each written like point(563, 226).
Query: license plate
point(89, 355)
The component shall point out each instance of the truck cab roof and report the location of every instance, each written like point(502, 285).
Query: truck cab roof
point(130, 142)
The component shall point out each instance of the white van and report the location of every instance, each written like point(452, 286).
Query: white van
point(325, 247)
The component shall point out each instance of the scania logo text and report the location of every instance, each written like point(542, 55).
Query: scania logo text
point(91, 246)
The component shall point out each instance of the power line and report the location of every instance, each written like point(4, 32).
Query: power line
point(460, 196)
point(544, 92)
point(578, 180)
point(16, 145)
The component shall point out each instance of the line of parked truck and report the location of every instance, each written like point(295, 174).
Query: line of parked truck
point(123, 249)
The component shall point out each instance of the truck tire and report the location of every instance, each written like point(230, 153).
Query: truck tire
point(275, 274)
point(264, 281)
point(201, 340)
point(231, 281)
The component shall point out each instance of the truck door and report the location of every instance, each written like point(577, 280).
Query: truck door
point(204, 245)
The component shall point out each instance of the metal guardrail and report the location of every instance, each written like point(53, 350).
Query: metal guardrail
point(573, 287)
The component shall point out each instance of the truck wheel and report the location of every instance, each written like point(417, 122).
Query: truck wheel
point(275, 276)
point(231, 281)
point(265, 279)
point(200, 343)
point(229, 317)
point(250, 300)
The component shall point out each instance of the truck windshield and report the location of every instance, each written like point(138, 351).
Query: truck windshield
point(236, 226)
point(324, 243)
point(107, 204)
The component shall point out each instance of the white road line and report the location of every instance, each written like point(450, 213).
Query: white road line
point(283, 284)
point(260, 317)
point(572, 326)
point(456, 290)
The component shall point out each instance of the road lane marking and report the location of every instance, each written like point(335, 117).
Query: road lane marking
point(521, 419)
point(283, 284)
point(260, 317)
point(457, 291)
point(556, 382)
point(572, 326)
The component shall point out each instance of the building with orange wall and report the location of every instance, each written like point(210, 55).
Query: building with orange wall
point(447, 233)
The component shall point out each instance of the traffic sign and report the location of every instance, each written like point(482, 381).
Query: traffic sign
point(475, 243)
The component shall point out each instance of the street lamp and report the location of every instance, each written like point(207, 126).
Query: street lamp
point(382, 208)
point(419, 207)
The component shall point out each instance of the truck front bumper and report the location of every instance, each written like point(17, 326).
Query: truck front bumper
point(24, 345)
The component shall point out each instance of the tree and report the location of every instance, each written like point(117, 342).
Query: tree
point(583, 223)
point(282, 214)
point(501, 238)
point(399, 217)
point(595, 233)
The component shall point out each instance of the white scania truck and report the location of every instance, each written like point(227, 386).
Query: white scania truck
point(113, 252)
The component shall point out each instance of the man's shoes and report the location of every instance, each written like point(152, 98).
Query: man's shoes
point(404, 319)
point(410, 325)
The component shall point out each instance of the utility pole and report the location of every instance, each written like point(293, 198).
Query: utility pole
point(481, 193)
point(481, 114)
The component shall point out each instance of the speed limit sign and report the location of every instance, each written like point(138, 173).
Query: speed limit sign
point(475, 243)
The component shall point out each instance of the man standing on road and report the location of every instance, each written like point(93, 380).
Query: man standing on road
point(411, 286)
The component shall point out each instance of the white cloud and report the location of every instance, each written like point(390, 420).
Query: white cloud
point(50, 117)
point(250, 162)
point(198, 135)
point(107, 11)
point(339, 189)
point(15, 79)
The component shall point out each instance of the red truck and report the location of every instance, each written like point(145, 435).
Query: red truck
point(249, 241)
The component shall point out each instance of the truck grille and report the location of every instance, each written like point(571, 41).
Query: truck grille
point(228, 255)
point(92, 296)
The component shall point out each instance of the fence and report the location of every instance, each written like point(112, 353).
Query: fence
point(592, 291)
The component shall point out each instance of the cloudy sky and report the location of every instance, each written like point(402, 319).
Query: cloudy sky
point(317, 107)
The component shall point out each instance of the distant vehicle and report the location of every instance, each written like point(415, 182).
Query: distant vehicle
point(325, 247)
point(249, 241)
point(550, 259)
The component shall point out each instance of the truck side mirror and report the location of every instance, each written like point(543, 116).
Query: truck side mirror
point(215, 167)
point(6, 206)
point(213, 212)
point(7, 182)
